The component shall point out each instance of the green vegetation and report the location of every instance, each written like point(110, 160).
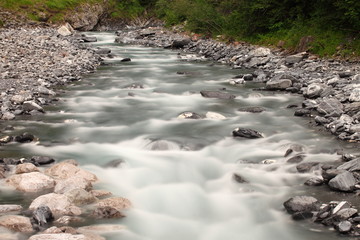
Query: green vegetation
point(334, 25)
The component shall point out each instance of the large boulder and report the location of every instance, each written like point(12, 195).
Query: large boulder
point(314, 90)
point(344, 182)
point(118, 203)
point(302, 204)
point(65, 30)
point(31, 182)
point(59, 204)
point(87, 16)
point(16, 223)
point(65, 170)
point(260, 52)
point(351, 166)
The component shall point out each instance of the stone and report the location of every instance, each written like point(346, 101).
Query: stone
point(16, 223)
point(118, 203)
point(107, 212)
point(296, 159)
point(66, 170)
point(217, 94)
point(315, 181)
point(74, 182)
point(314, 90)
point(24, 138)
point(329, 174)
point(80, 197)
point(45, 91)
point(215, 116)
point(345, 214)
point(65, 30)
point(189, 115)
point(41, 160)
point(239, 178)
point(344, 226)
point(278, 84)
point(6, 139)
point(302, 204)
point(42, 215)
point(101, 229)
point(180, 43)
point(355, 95)
point(302, 112)
point(59, 204)
point(89, 39)
point(260, 52)
point(100, 193)
point(114, 163)
point(247, 133)
point(57, 230)
point(294, 59)
point(8, 116)
point(125, 60)
point(31, 182)
point(17, 99)
point(5, 208)
point(26, 168)
point(252, 109)
point(344, 182)
point(352, 108)
point(302, 215)
point(66, 220)
point(351, 166)
point(331, 106)
point(31, 105)
point(103, 51)
point(60, 236)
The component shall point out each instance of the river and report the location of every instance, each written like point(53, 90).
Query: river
point(178, 173)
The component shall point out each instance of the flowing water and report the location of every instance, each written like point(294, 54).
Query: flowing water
point(178, 173)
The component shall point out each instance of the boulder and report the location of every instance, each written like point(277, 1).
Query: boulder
point(41, 160)
point(31, 182)
point(80, 197)
point(66, 170)
point(344, 226)
point(87, 16)
point(107, 212)
point(26, 168)
point(66, 220)
point(17, 99)
point(351, 166)
point(117, 203)
point(344, 182)
point(5, 208)
point(330, 106)
point(24, 138)
point(278, 84)
point(180, 43)
point(103, 51)
point(294, 59)
point(296, 159)
point(314, 90)
point(59, 204)
point(16, 223)
point(217, 94)
point(74, 182)
point(329, 174)
point(65, 30)
point(302, 204)
point(314, 181)
point(260, 52)
point(31, 105)
point(214, 115)
point(345, 213)
point(247, 133)
point(8, 116)
point(352, 108)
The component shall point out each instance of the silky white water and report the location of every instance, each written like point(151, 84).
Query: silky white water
point(178, 173)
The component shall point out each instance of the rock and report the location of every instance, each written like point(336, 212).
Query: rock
point(248, 77)
point(217, 94)
point(66, 220)
point(59, 204)
point(107, 212)
point(74, 182)
point(278, 84)
point(17, 99)
point(302, 215)
point(345, 214)
point(45, 91)
point(314, 181)
point(344, 182)
point(118, 203)
point(16, 223)
point(31, 182)
point(31, 105)
point(239, 178)
point(314, 90)
point(66, 170)
point(42, 215)
point(25, 138)
point(302, 204)
point(352, 108)
point(57, 230)
point(260, 52)
point(329, 174)
point(6, 139)
point(87, 16)
point(339, 206)
point(355, 95)
point(294, 59)
point(80, 197)
point(26, 168)
point(101, 229)
point(65, 30)
point(246, 133)
point(89, 39)
point(252, 109)
point(214, 115)
point(42, 160)
point(351, 166)
point(114, 163)
point(180, 43)
point(189, 115)
point(103, 51)
point(344, 226)
point(330, 106)
point(296, 159)
point(5, 208)
point(8, 116)
point(126, 60)
point(302, 112)
point(60, 236)
point(100, 193)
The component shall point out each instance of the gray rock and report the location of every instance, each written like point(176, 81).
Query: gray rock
point(294, 59)
point(252, 109)
point(8, 116)
point(344, 226)
point(355, 95)
point(260, 52)
point(42, 215)
point(189, 115)
point(330, 106)
point(353, 165)
point(217, 94)
point(125, 60)
point(346, 213)
point(344, 182)
point(89, 39)
point(314, 181)
point(278, 84)
point(239, 178)
point(329, 174)
point(31, 105)
point(41, 160)
point(302, 204)
point(306, 167)
point(314, 90)
point(246, 133)
point(103, 51)
point(45, 91)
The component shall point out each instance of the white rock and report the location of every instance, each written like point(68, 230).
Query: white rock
point(31, 182)
point(355, 95)
point(31, 105)
point(65, 30)
point(8, 116)
point(60, 236)
point(214, 115)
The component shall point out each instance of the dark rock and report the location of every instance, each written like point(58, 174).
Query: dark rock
point(352, 108)
point(24, 138)
point(107, 212)
point(11, 161)
point(345, 74)
point(126, 60)
point(322, 120)
point(239, 178)
point(292, 106)
point(344, 182)
point(314, 181)
point(296, 159)
point(180, 43)
point(344, 226)
point(41, 160)
point(42, 215)
point(103, 51)
point(89, 39)
point(248, 77)
point(246, 133)
point(329, 174)
point(302, 112)
point(330, 106)
point(252, 109)
point(189, 115)
point(351, 166)
point(302, 204)
point(217, 94)
point(306, 167)
point(302, 215)
point(114, 163)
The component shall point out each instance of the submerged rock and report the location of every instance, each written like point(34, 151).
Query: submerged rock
point(252, 109)
point(217, 94)
point(189, 115)
point(246, 133)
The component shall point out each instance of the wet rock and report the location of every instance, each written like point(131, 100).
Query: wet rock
point(247, 133)
point(6, 208)
point(180, 43)
point(135, 86)
point(125, 60)
point(315, 181)
point(302, 215)
point(114, 163)
point(302, 112)
point(57, 230)
point(330, 106)
point(31, 105)
point(42, 215)
point(59, 204)
point(8, 116)
point(16, 223)
point(189, 115)
point(80, 197)
point(6, 139)
point(118, 203)
point(344, 182)
point(302, 204)
point(31, 182)
point(26, 168)
point(344, 227)
point(101, 229)
point(296, 159)
point(45, 91)
point(351, 166)
point(217, 94)
point(345, 213)
point(100, 193)
point(89, 39)
point(41, 160)
point(66, 170)
point(278, 84)
point(60, 236)
point(66, 220)
point(329, 174)
point(239, 178)
point(252, 109)
point(107, 212)
point(71, 183)
point(103, 51)
point(24, 138)
point(214, 115)
point(306, 167)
